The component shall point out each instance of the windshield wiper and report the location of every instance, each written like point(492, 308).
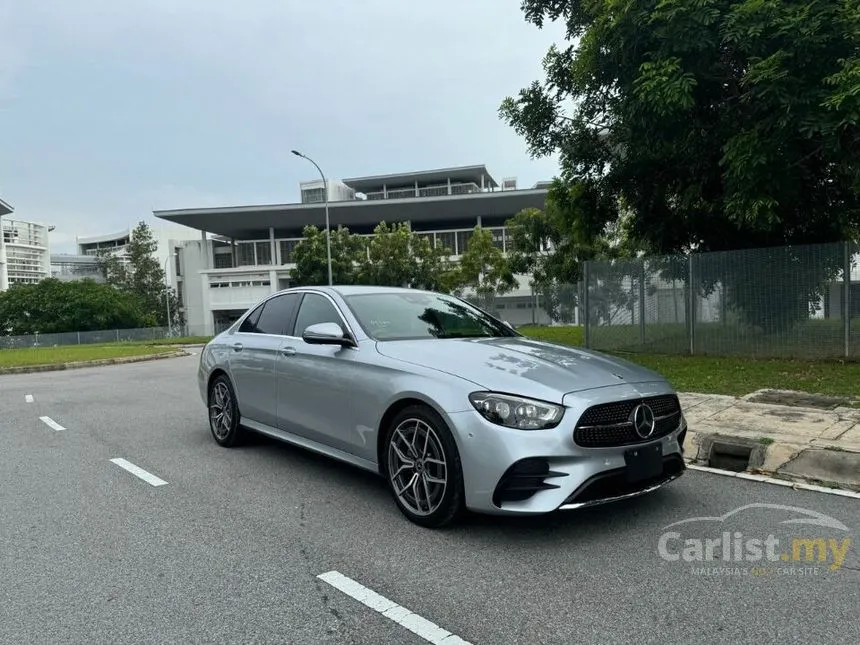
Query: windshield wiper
point(461, 335)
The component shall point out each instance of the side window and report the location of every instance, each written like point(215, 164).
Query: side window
point(277, 314)
point(315, 309)
point(249, 325)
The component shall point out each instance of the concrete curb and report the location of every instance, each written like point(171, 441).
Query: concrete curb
point(828, 467)
point(31, 369)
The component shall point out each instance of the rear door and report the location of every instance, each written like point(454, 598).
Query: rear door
point(255, 350)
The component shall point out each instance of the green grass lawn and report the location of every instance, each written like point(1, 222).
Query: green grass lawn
point(735, 375)
point(184, 340)
point(73, 353)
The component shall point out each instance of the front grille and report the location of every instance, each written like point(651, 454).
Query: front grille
point(608, 424)
point(523, 479)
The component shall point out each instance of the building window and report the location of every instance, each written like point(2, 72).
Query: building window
point(446, 240)
point(313, 195)
point(176, 261)
point(264, 253)
point(287, 248)
point(224, 260)
point(245, 254)
point(498, 238)
point(463, 241)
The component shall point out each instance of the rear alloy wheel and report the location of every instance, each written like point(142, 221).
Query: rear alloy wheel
point(224, 412)
point(423, 468)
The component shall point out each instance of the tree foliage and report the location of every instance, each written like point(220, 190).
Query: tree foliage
point(551, 244)
point(703, 124)
point(141, 275)
point(310, 257)
point(52, 306)
point(393, 256)
point(485, 268)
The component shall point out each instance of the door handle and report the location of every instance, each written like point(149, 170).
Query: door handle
point(237, 347)
point(288, 351)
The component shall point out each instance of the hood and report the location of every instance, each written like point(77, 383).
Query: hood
point(520, 365)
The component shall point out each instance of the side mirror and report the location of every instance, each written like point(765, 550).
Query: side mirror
point(327, 333)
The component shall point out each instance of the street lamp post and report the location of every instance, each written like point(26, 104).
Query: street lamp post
point(325, 195)
point(167, 295)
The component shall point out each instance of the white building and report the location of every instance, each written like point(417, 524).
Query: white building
point(24, 250)
point(169, 239)
point(245, 253)
point(68, 267)
point(166, 237)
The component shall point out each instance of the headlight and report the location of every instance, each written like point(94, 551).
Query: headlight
point(515, 411)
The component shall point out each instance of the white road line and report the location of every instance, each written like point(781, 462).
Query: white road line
point(28, 398)
point(773, 480)
point(430, 632)
point(48, 421)
point(139, 472)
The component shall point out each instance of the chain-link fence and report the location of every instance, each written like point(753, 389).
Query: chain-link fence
point(790, 302)
point(145, 334)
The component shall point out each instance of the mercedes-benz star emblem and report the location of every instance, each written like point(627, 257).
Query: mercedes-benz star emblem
point(643, 420)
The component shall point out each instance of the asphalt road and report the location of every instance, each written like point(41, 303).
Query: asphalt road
point(229, 550)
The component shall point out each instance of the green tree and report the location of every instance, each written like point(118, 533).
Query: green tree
point(52, 306)
point(707, 125)
point(141, 275)
point(551, 244)
point(398, 256)
point(436, 272)
point(311, 261)
point(484, 268)
point(390, 260)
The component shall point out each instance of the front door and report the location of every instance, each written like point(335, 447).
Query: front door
point(315, 382)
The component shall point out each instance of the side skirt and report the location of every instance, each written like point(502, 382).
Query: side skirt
point(313, 446)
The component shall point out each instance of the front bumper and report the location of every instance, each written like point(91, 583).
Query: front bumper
point(515, 472)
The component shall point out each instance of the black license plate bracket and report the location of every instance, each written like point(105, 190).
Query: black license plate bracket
point(644, 462)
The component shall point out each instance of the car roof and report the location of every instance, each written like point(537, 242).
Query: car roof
point(355, 290)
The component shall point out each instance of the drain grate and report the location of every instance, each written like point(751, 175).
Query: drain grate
point(730, 456)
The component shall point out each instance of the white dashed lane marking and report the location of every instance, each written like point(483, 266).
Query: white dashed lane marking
point(48, 421)
point(431, 632)
point(137, 471)
point(28, 398)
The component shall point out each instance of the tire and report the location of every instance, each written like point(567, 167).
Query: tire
point(432, 437)
point(222, 400)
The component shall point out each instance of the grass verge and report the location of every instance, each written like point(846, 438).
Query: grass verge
point(735, 375)
point(73, 353)
point(184, 340)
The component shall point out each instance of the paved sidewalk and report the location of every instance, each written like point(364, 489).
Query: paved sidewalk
point(792, 439)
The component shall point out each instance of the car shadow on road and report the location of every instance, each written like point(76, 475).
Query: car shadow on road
point(615, 517)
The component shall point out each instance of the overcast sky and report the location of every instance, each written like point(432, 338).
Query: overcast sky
point(109, 109)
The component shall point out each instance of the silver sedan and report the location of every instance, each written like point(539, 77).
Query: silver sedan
point(453, 407)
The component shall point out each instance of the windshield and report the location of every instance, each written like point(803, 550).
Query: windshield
point(414, 315)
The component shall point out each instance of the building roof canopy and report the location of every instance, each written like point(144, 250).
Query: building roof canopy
point(460, 174)
point(253, 222)
point(5, 208)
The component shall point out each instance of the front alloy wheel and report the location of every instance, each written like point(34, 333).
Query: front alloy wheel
point(423, 468)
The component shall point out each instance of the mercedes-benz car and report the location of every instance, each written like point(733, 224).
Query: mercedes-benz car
point(451, 405)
